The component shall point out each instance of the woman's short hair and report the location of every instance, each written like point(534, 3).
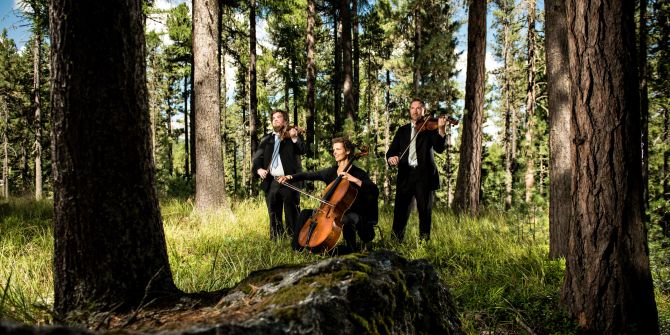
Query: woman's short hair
point(348, 145)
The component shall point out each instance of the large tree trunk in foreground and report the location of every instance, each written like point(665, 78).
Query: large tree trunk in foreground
point(561, 149)
point(469, 175)
point(608, 285)
point(210, 190)
point(109, 245)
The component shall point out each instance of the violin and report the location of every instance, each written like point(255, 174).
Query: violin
point(429, 122)
point(286, 132)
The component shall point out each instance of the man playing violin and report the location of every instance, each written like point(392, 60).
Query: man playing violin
point(278, 155)
point(363, 214)
point(412, 152)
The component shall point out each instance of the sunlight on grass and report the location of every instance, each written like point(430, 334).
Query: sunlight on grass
point(496, 266)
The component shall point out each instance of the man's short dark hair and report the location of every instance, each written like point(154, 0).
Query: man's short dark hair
point(419, 100)
point(283, 114)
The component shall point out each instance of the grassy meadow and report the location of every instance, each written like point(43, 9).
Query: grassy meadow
point(496, 266)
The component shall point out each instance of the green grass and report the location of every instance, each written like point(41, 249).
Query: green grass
point(496, 266)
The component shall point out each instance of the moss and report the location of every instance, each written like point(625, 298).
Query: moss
point(350, 275)
point(260, 278)
point(363, 323)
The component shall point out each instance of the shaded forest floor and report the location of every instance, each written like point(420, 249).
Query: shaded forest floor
point(496, 266)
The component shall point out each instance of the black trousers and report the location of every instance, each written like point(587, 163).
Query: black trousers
point(424, 205)
point(281, 199)
point(352, 225)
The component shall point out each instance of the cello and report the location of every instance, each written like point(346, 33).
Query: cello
point(322, 230)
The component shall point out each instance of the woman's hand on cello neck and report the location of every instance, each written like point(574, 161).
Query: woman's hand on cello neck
point(350, 178)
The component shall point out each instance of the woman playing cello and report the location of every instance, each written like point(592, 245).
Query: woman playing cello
point(363, 212)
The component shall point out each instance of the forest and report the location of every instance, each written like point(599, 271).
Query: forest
point(129, 131)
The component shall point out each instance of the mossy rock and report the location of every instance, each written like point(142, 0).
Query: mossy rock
point(375, 293)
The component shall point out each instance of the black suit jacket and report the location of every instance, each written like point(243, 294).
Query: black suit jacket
point(289, 153)
point(427, 142)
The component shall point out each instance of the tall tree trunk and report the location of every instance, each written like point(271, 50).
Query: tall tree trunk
point(25, 170)
point(387, 135)
point(347, 84)
point(663, 46)
point(561, 148)
point(253, 100)
point(224, 109)
point(644, 106)
point(210, 189)
point(235, 168)
point(417, 51)
point(5, 149)
point(510, 151)
point(311, 79)
point(448, 169)
point(608, 285)
point(561, 127)
point(337, 71)
point(187, 155)
point(294, 88)
point(368, 91)
point(168, 124)
point(37, 60)
point(468, 180)
point(246, 161)
point(193, 121)
point(356, 57)
point(530, 104)
point(106, 215)
point(287, 87)
point(665, 217)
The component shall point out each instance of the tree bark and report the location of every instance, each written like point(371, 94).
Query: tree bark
point(608, 285)
point(387, 134)
point(168, 124)
point(193, 121)
point(448, 169)
point(187, 155)
point(109, 245)
point(253, 100)
point(347, 83)
point(561, 148)
point(530, 104)
point(337, 71)
point(665, 217)
point(661, 12)
point(210, 191)
point(416, 83)
point(356, 57)
point(644, 106)
point(37, 60)
point(295, 89)
point(510, 121)
point(466, 199)
point(5, 149)
point(311, 79)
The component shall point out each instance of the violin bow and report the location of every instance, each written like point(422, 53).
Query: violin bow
point(297, 189)
point(412, 139)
